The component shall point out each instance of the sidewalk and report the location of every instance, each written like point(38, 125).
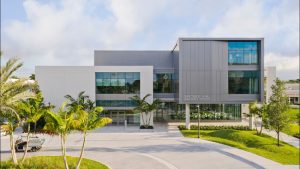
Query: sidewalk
point(283, 137)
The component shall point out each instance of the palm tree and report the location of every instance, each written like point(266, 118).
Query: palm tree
point(31, 111)
point(140, 106)
point(145, 108)
point(81, 100)
point(61, 123)
point(12, 91)
point(91, 121)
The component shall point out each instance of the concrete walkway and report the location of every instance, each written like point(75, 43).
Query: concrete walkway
point(283, 137)
point(163, 148)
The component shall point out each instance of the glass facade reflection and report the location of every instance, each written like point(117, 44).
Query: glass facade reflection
point(115, 103)
point(243, 82)
point(209, 112)
point(242, 53)
point(117, 82)
point(163, 83)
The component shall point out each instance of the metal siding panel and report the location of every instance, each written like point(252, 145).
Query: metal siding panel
point(205, 72)
point(201, 56)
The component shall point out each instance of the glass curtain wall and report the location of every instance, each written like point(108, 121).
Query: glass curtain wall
point(243, 82)
point(209, 112)
point(117, 83)
point(242, 53)
point(116, 103)
point(163, 83)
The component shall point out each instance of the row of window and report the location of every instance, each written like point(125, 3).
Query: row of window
point(242, 53)
point(117, 75)
point(115, 103)
point(239, 82)
point(117, 82)
point(173, 111)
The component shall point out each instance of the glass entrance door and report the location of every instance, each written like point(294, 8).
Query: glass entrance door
point(118, 117)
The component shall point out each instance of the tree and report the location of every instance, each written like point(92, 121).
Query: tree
point(31, 111)
point(277, 108)
point(11, 92)
point(32, 77)
point(145, 108)
point(258, 112)
point(91, 121)
point(80, 101)
point(61, 123)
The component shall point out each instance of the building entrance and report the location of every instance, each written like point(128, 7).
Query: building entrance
point(120, 116)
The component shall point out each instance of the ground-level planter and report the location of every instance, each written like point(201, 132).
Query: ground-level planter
point(146, 127)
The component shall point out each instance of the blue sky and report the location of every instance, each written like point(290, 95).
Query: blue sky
point(66, 32)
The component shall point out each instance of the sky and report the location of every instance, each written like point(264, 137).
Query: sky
point(66, 32)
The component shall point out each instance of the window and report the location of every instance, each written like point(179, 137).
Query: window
point(117, 82)
point(163, 83)
point(115, 103)
point(209, 112)
point(242, 53)
point(243, 82)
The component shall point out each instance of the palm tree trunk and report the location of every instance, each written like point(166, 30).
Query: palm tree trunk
point(34, 127)
point(12, 148)
point(63, 146)
point(27, 142)
point(82, 149)
point(143, 119)
point(150, 114)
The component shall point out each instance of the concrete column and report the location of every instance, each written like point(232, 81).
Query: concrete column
point(251, 121)
point(187, 116)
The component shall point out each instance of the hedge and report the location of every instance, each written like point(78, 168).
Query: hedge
point(195, 127)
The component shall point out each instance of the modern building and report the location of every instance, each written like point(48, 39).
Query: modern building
point(269, 80)
point(219, 74)
point(293, 92)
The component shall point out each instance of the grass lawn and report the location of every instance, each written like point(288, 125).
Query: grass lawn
point(294, 128)
point(52, 162)
point(262, 145)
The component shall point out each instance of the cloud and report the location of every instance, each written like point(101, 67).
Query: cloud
point(286, 67)
point(67, 33)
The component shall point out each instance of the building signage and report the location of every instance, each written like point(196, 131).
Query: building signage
point(196, 97)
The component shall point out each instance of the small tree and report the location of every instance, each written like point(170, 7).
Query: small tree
point(31, 111)
point(61, 123)
point(12, 91)
point(91, 121)
point(145, 108)
point(258, 112)
point(277, 108)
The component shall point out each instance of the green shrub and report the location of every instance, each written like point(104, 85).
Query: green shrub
point(195, 127)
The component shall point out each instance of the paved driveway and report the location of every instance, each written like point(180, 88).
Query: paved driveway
point(164, 148)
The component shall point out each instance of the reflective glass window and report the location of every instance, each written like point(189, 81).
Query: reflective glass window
point(243, 82)
point(117, 82)
point(115, 103)
point(242, 53)
point(163, 83)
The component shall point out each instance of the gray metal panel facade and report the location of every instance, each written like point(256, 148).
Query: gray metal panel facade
point(203, 71)
point(157, 59)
